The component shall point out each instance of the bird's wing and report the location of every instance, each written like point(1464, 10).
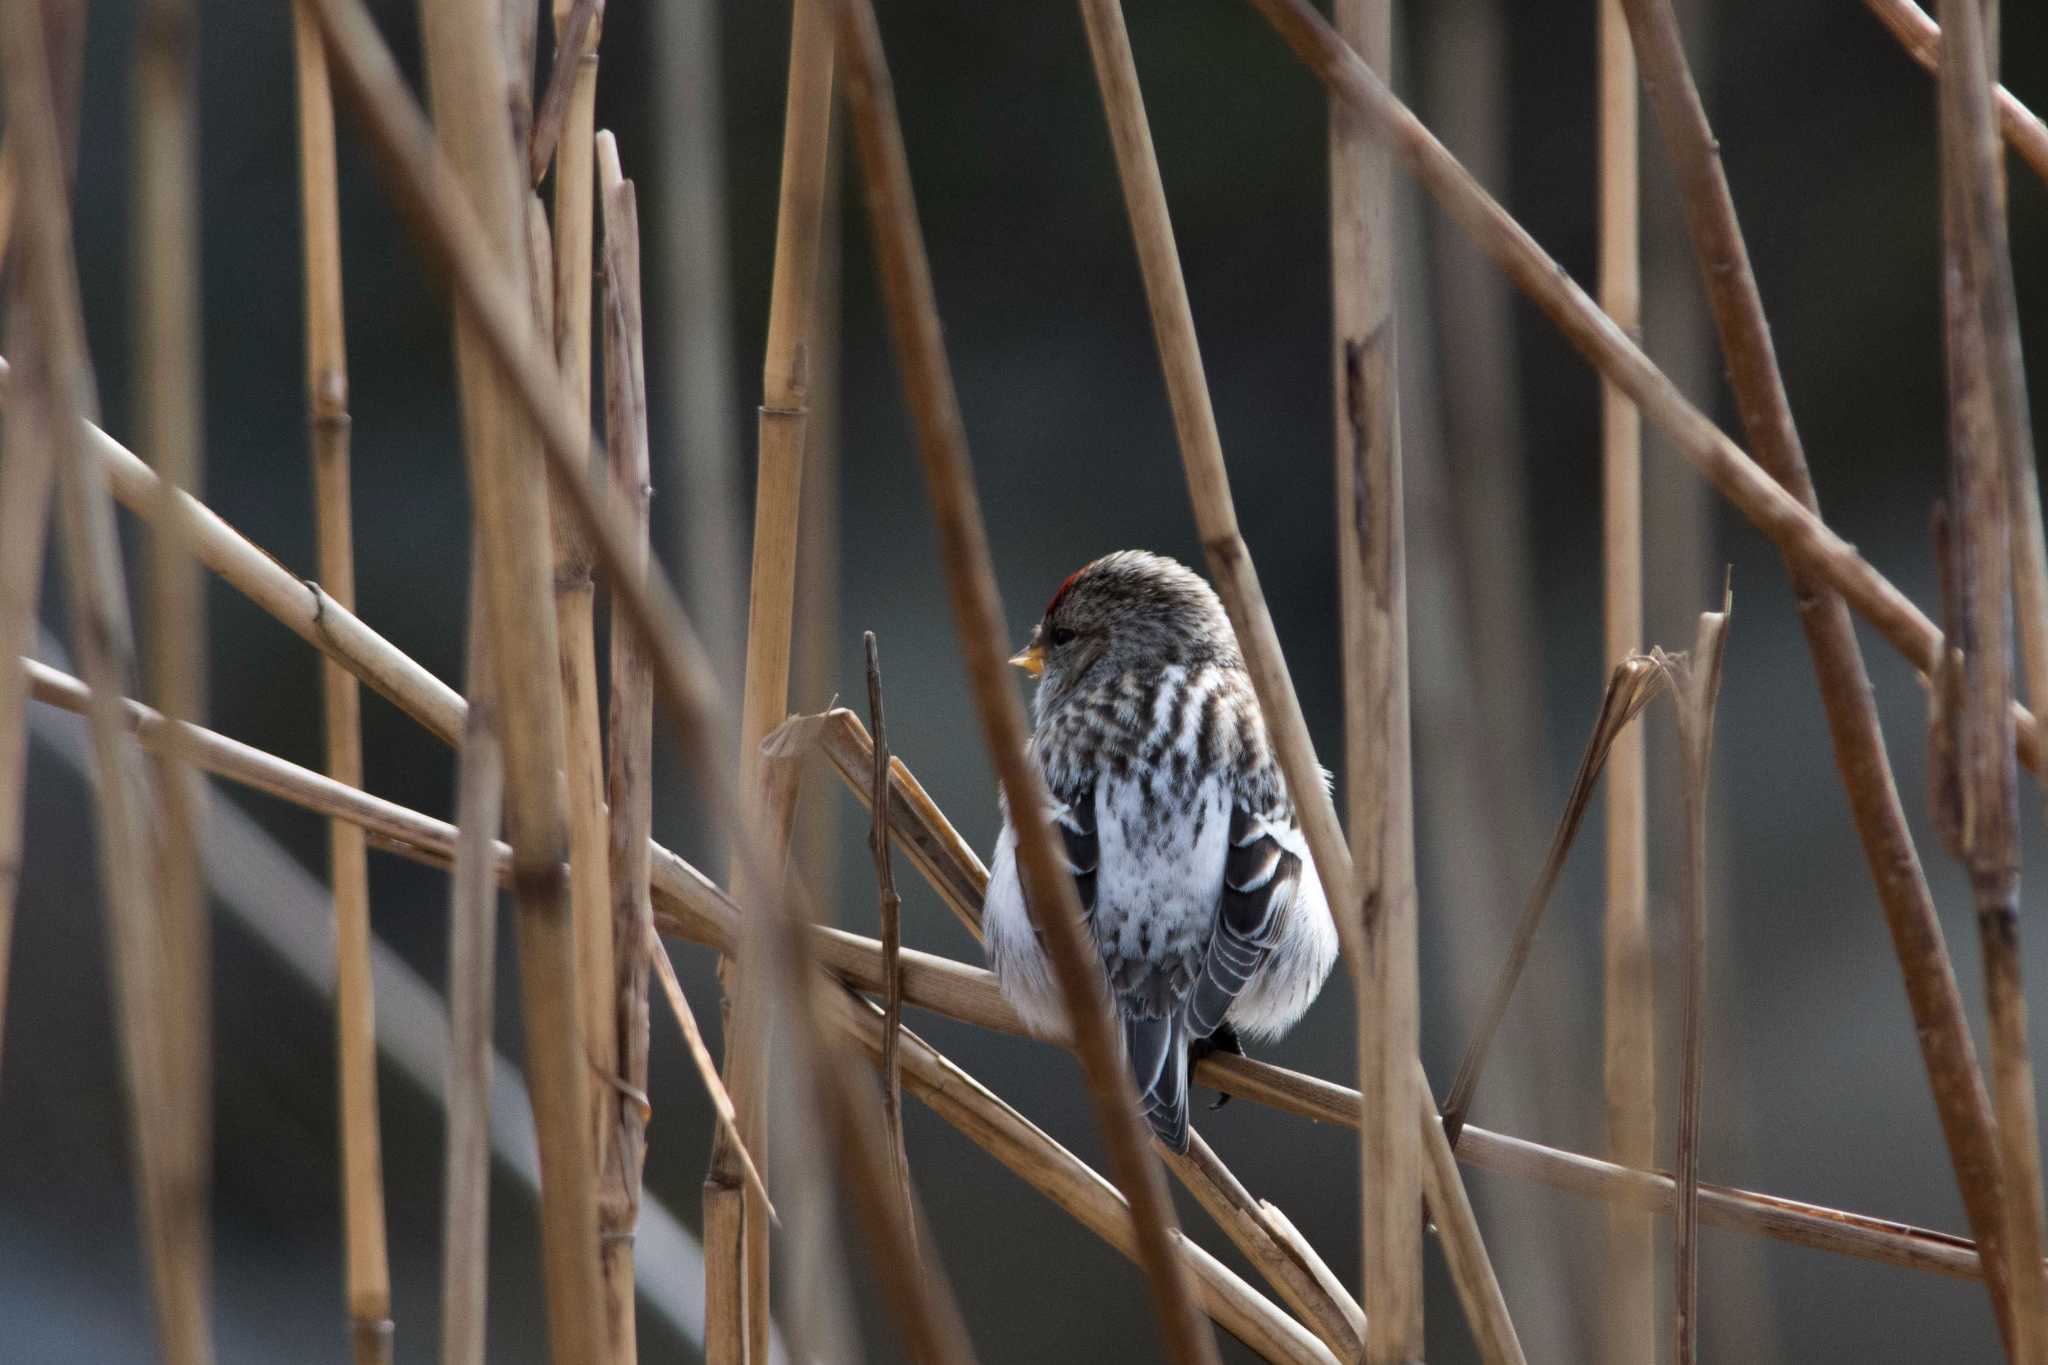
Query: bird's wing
point(1076, 821)
point(1260, 875)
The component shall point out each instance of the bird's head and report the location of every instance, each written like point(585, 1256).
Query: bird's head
point(1128, 611)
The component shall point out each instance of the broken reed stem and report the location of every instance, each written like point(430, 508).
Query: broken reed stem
point(571, 80)
point(1235, 577)
point(1798, 532)
point(1056, 1173)
point(170, 406)
point(630, 770)
point(1921, 38)
point(1628, 1010)
point(328, 422)
point(1695, 690)
point(892, 924)
point(57, 382)
point(1373, 592)
point(472, 966)
point(1991, 450)
point(977, 611)
point(707, 1070)
point(466, 79)
point(785, 397)
point(1940, 1024)
point(1322, 1304)
point(575, 593)
point(688, 905)
point(1634, 683)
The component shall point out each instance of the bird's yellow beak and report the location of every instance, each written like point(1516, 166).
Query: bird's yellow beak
point(1031, 658)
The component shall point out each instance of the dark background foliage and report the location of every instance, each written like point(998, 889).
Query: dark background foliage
point(1814, 1088)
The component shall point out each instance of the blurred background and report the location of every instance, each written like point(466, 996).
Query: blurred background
point(1814, 1086)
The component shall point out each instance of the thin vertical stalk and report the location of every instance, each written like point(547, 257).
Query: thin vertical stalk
point(56, 378)
point(977, 612)
point(25, 475)
point(629, 785)
point(1627, 1016)
point(1992, 463)
point(466, 79)
point(892, 929)
point(472, 960)
point(1372, 582)
point(590, 892)
point(1695, 691)
point(785, 383)
point(327, 418)
point(1844, 684)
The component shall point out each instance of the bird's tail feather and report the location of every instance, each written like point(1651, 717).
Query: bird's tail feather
point(1158, 1049)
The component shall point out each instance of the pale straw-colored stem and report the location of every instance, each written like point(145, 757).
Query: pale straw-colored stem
point(328, 422)
point(466, 78)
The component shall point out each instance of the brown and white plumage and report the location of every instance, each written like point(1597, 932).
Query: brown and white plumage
point(1200, 895)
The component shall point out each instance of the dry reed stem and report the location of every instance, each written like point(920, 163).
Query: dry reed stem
point(327, 422)
point(690, 906)
point(707, 1069)
point(1272, 1246)
point(1991, 462)
point(57, 382)
point(1731, 289)
point(892, 926)
point(472, 966)
point(25, 476)
point(1634, 683)
point(467, 79)
point(1628, 1007)
point(1056, 1173)
point(1231, 566)
point(1372, 573)
point(977, 612)
point(1696, 690)
point(1797, 531)
point(448, 227)
point(590, 891)
point(629, 787)
point(170, 406)
point(571, 82)
point(785, 379)
point(1921, 38)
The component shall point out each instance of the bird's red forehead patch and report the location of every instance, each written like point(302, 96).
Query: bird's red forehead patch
point(1065, 588)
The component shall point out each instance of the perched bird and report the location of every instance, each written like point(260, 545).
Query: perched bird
point(1196, 881)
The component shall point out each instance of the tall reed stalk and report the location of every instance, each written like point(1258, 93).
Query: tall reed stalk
point(327, 421)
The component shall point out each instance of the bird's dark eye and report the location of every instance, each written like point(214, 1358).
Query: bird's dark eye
point(1061, 636)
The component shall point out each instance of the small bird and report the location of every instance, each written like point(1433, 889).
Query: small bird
point(1196, 881)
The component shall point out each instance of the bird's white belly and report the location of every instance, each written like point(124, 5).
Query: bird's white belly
point(1159, 879)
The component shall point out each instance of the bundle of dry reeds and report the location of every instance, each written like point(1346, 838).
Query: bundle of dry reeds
point(555, 795)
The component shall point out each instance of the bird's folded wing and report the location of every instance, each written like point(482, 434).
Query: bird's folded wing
point(1259, 881)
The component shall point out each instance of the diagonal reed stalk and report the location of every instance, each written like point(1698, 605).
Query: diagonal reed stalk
point(1628, 1012)
point(568, 111)
point(688, 905)
point(630, 771)
point(977, 612)
point(1695, 690)
point(1797, 530)
point(1921, 37)
point(1372, 572)
point(327, 421)
point(1992, 462)
point(155, 1017)
point(472, 965)
point(1634, 683)
point(783, 417)
point(1237, 582)
point(1730, 284)
point(467, 78)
